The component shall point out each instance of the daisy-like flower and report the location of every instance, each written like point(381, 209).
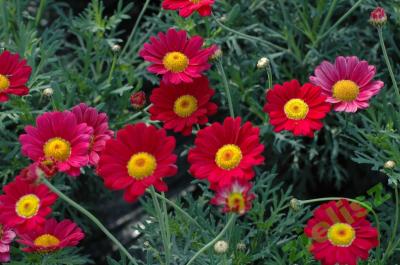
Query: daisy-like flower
point(24, 206)
point(52, 236)
point(235, 198)
point(140, 157)
point(296, 108)
point(340, 233)
point(224, 152)
point(182, 106)
point(58, 137)
point(99, 124)
point(6, 237)
point(175, 56)
point(14, 73)
point(347, 83)
point(188, 7)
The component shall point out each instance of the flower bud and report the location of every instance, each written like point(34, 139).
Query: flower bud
point(221, 247)
point(378, 17)
point(295, 204)
point(138, 100)
point(48, 92)
point(116, 48)
point(241, 246)
point(389, 164)
point(263, 63)
point(217, 55)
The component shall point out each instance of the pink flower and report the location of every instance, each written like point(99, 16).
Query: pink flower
point(188, 7)
point(347, 83)
point(58, 137)
point(378, 17)
point(175, 56)
point(99, 123)
point(6, 237)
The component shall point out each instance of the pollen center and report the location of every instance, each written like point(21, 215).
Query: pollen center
point(296, 109)
point(341, 234)
point(175, 62)
point(27, 206)
point(345, 90)
point(228, 156)
point(141, 165)
point(235, 202)
point(57, 148)
point(4, 83)
point(195, 1)
point(185, 105)
point(46, 241)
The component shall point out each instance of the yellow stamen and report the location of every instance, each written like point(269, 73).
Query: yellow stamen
point(195, 1)
point(57, 148)
point(185, 105)
point(228, 156)
point(46, 241)
point(236, 202)
point(141, 165)
point(4, 83)
point(345, 90)
point(296, 109)
point(341, 234)
point(27, 206)
point(175, 62)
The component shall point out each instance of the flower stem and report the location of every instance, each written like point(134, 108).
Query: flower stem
point(388, 64)
point(328, 16)
point(391, 245)
point(39, 13)
point(91, 217)
point(212, 242)
point(227, 89)
point(110, 75)
point(269, 73)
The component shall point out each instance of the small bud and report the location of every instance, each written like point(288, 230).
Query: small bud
point(146, 244)
point(241, 246)
point(378, 17)
point(263, 63)
point(217, 55)
point(221, 247)
point(44, 22)
point(389, 164)
point(116, 48)
point(48, 92)
point(295, 204)
point(223, 18)
point(138, 100)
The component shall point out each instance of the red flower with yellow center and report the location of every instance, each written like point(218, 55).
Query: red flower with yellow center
point(140, 157)
point(296, 108)
point(340, 233)
point(24, 206)
point(182, 106)
point(14, 74)
point(52, 236)
point(188, 7)
point(226, 151)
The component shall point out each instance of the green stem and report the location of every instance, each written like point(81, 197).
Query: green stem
point(114, 61)
point(39, 14)
point(328, 16)
point(388, 64)
point(212, 242)
point(166, 221)
point(91, 217)
point(269, 73)
point(226, 86)
point(391, 245)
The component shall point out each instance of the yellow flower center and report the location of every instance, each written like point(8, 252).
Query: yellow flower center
point(1, 230)
point(236, 202)
point(341, 234)
point(175, 62)
point(57, 148)
point(345, 90)
point(296, 109)
point(185, 105)
point(27, 206)
point(4, 82)
point(195, 1)
point(46, 241)
point(228, 156)
point(141, 165)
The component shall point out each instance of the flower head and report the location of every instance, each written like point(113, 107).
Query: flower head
point(52, 236)
point(221, 247)
point(235, 198)
point(378, 17)
point(347, 83)
point(182, 106)
point(187, 7)
point(340, 233)
point(225, 152)
point(60, 138)
point(296, 108)
point(24, 206)
point(14, 73)
point(138, 100)
point(140, 157)
point(98, 122)
point(263, 63)
point(175, 56)
point(7, 235)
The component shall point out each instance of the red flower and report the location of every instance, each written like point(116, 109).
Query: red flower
point(296, 108)
point(187, 7)
point(24, 206)
point(224, 152)
point(140, 157)
point(340, 233)
point(6, 237)
point(99, 124)
point(138, 100)
point(182, 106)
point(378, 17)
point(235, 198)
point(14, 73)
point(58, 137)
point(176, 57)
point(32, 173)
point(52, 236)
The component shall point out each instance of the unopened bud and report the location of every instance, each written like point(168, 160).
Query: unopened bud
point(221, 247)
point(217, 55)
point(263, 63)
point(223, 18)
point(138, 100)
point(378, 17)
point(241, 246)
point(295, 204)
point(116, 48)
point(48, 92)
point(389, 164)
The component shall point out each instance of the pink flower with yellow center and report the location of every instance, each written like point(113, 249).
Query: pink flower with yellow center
point(6, 237)
point(347, 83)
point(175, 56)
point(58, 137)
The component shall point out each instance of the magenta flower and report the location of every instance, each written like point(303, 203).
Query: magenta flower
point(347, 83)
point(6, 237)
